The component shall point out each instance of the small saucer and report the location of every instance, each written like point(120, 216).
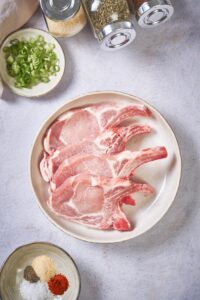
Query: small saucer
point(12, 270)
point(41, 88)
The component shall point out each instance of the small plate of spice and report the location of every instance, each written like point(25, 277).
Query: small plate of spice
point(39, 271)
point(32, 62)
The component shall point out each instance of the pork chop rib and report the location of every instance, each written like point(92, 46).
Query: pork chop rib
point(87, 123)
point(95, 201)
point(121, 165)
point(112, 140)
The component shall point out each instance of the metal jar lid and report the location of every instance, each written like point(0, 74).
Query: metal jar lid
point(116, 35)
point(59, 10)
point(154, 12)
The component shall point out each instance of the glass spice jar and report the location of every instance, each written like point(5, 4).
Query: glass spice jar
point(152, 12)
point(111, 22)
point(64, 18)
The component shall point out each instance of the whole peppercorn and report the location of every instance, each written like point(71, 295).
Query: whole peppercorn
point(58, 284)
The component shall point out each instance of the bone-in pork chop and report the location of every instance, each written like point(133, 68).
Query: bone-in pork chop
point(95, 201)
point(87, 123)
point(112, 140)
point(121, 165)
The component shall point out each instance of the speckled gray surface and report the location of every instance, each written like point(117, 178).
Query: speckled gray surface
point(162, 67)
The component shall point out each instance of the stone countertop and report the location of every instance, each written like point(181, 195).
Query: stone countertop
point(162, 67)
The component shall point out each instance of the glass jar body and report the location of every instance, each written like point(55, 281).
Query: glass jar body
point(69, 26)
point(106, 12)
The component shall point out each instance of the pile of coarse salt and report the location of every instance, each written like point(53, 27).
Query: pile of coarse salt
point(35, 291)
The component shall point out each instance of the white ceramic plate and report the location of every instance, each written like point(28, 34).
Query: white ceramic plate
point(12, 270)
point(163, 175)
point(41, 88)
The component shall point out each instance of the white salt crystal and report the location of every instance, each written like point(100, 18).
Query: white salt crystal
point(114, 16)
point(34, 291)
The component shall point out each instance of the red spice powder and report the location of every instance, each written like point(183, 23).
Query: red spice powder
point(58, 284)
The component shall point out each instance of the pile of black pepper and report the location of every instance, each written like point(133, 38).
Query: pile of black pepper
point(107, 12)
point(30, 275)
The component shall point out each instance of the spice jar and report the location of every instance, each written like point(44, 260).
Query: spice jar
point(64, 18)
point(111, 22)
point(153, 12)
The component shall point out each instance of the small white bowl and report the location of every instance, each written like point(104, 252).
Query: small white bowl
point(12, 270)
point(41, 88)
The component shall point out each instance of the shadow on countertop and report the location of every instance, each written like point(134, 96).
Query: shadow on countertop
point(90, 283)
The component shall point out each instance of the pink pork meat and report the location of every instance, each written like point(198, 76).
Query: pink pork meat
point(121, 165)
point(87, 123)
point(112, 140)
point(95, 201)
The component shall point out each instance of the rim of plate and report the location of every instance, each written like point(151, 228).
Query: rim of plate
point(41, 243)
point(131, 97)
point(43, 32)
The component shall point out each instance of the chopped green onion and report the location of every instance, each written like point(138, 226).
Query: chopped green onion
point(10, 59)
point(31, 61)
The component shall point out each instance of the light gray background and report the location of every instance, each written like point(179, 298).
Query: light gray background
point(162, 67)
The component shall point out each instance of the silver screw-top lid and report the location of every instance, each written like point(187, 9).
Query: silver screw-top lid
point(154, 12)
point(116, 35)
point(58, 10)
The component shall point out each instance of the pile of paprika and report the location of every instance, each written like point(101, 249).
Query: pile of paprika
point(58, 284)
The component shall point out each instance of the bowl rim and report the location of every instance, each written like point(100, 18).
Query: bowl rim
point(42, 31)
point(97, 92)
point(40, 243)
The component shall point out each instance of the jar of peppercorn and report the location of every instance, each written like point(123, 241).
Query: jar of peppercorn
point(111, 22)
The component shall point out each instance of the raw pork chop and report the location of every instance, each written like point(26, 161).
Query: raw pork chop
point(87, 123)
point(95, 201)
point(112, 140)
point(122, 164)
point(88, 168)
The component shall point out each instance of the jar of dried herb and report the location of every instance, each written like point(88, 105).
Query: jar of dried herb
point(64, 18)
point(150, 13)
point(111, 22)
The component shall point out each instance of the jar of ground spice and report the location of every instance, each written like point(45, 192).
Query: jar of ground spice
point(64, 18)
point(153, 12)
point(111, 22)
